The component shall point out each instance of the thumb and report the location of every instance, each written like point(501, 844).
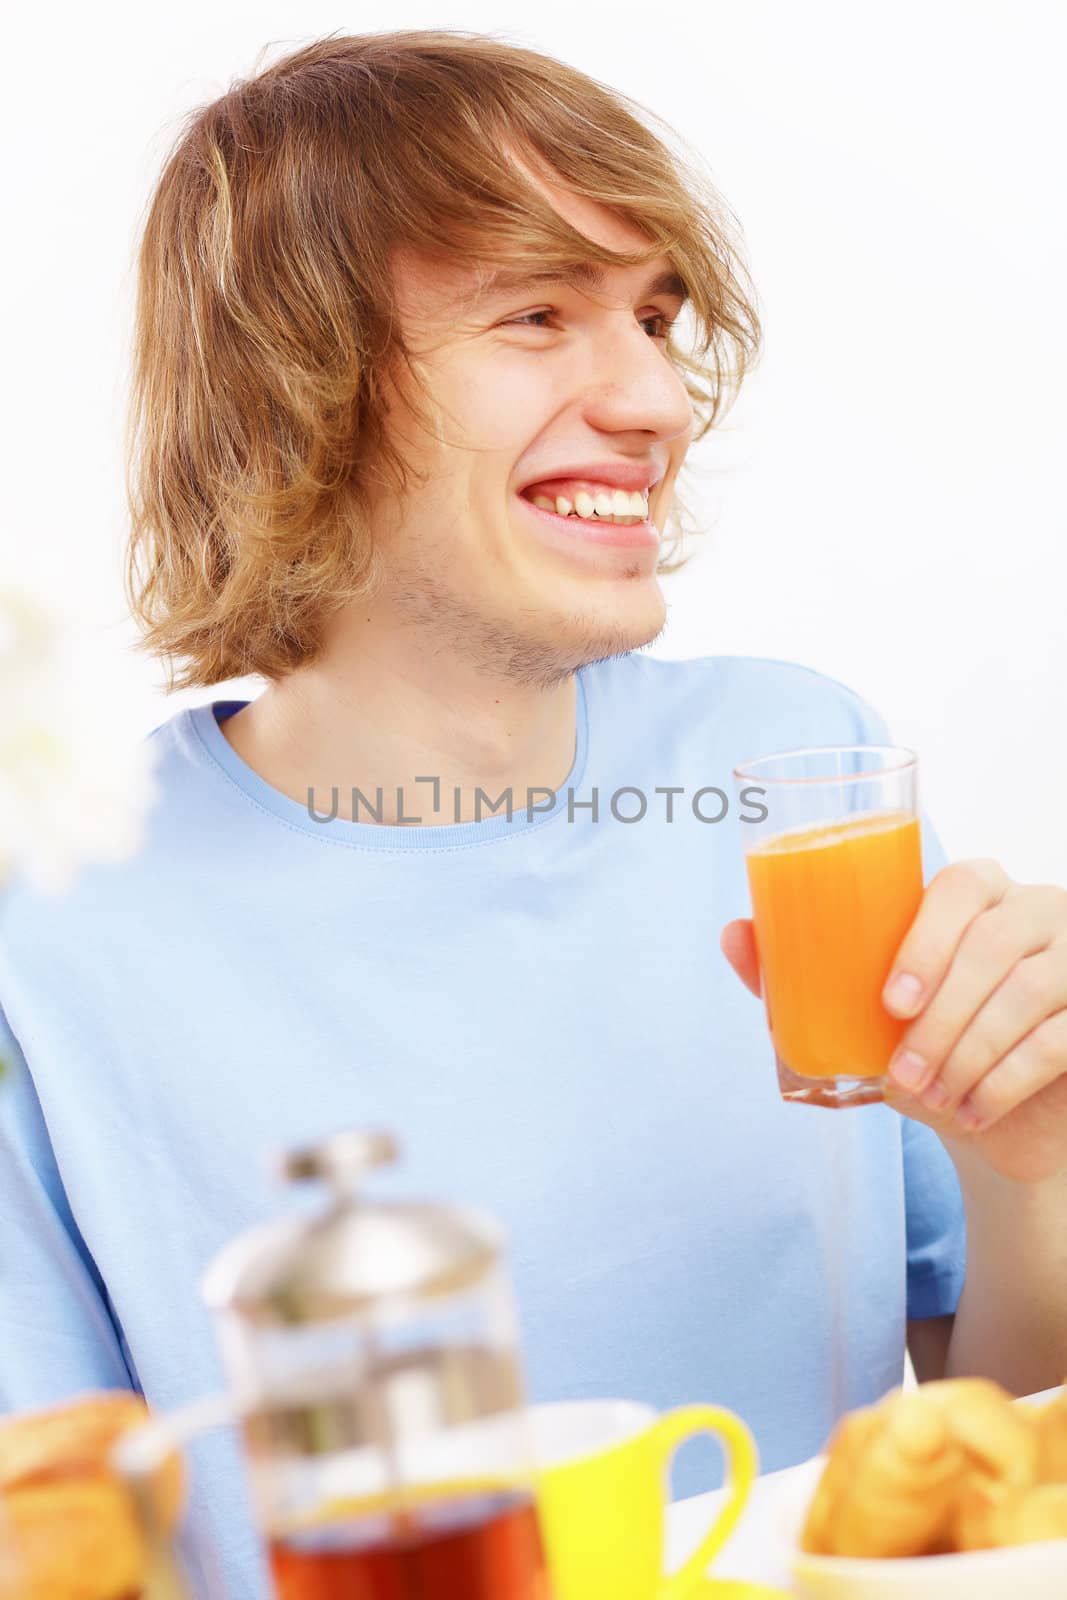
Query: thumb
point(738, 944)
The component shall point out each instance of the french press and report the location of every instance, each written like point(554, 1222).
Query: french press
point(374, 1355)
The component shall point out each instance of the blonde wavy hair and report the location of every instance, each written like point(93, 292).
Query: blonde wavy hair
point(265, 320)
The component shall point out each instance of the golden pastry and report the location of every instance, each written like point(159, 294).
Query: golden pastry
point(922, 1473)
point(890, 1484)
point(995, 1434)
point(1022, 1516)
point(75, 1539)
point(1050, 1422)
point(69, 1523)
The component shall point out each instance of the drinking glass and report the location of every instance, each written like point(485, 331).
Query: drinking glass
point(834, 863)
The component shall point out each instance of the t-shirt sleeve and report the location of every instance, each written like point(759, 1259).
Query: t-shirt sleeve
point(57, 1335)
point(936, 1232)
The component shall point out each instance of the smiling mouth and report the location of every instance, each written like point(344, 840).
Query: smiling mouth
point(591, 503)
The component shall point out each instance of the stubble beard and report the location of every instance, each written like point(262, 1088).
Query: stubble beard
point(532, 650)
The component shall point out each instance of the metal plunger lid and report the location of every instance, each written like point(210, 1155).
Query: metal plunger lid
point(356, 1257)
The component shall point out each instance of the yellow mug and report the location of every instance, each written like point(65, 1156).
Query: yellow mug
point(602, 1488)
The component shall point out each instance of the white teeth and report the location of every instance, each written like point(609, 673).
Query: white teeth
point(603, 503)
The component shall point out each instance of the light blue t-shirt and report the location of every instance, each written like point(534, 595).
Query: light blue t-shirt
point(538, 1008)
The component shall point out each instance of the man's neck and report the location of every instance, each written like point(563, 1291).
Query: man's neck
point(367, 725)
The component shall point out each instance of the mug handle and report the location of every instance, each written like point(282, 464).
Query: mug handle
point(671, 1431)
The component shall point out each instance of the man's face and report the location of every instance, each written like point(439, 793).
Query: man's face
point(559, 391)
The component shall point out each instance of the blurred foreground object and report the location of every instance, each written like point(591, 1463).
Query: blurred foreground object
point(955, 1465)
point(68, 1527)
point(75, 774)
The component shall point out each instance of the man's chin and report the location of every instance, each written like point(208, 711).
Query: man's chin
point(594, 638)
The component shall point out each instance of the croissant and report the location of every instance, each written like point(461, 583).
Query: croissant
point(922, 1473)
point(1022, 1516)
point(1050, 1422)
point(74, 1540)
point(997, 1437)
point(890, 1484)
point(67, 1522)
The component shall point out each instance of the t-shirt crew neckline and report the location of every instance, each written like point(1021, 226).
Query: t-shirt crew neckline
point(205, 723)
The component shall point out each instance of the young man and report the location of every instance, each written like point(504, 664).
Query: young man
point(395, 292)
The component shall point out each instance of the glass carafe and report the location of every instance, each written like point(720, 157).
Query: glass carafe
point(373, 1352)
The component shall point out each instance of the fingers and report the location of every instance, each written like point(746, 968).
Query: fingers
point(1031, 1066)
point(738, 944)
point(1005, 978)
point(950, 904)
point(1032, 993)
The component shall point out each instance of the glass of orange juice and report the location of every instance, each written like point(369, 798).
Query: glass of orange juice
point(834, 862)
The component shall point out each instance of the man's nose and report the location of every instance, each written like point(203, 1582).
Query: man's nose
point(633, 385)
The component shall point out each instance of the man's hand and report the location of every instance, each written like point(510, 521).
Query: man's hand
point(982, 973)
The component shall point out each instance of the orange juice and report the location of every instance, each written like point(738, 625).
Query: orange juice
point(831, 906)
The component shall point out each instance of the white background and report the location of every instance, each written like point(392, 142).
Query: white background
point(886, 499)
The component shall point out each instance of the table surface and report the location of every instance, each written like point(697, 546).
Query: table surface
point(760, 1547)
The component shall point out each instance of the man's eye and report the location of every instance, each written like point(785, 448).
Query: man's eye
point(665, 323)
point(525, 322)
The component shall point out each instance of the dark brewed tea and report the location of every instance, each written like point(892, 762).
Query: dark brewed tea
point(475, 1548)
